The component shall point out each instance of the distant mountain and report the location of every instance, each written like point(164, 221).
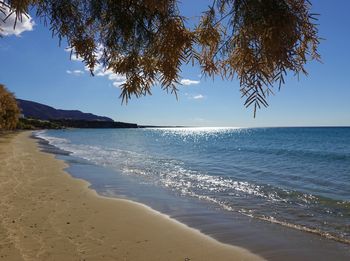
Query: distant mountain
point(40, 111)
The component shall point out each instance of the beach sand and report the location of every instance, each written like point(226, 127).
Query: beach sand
point(45, 214)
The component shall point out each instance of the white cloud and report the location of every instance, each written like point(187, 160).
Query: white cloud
point(22, 25)
point(118, 83)
point(74, 56)
point(195, 96)
point(75, 72)
point(198, 97)
point(189, 82)
point(99, 70)
point(117, 79)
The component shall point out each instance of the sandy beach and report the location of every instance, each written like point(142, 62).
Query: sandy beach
point(48, 215)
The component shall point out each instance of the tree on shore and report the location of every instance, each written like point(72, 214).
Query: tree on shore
point(147, 41)
point(9, 111)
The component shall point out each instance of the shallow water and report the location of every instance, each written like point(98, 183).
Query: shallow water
point(222, 179)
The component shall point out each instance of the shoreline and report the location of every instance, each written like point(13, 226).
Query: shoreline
point(49, 215)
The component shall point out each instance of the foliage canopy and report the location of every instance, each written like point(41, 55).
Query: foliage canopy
point(9, 111)
point(257, 41)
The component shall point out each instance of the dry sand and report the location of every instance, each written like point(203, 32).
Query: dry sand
point(45, 214)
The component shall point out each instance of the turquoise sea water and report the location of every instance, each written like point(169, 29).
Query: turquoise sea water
point(294, 177)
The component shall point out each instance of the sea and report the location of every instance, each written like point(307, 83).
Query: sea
point(283, 193)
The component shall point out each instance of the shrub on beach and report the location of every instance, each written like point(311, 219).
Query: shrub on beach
point(9, 111)
point(34, 124)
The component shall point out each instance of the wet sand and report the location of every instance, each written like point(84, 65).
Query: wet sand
point(48, 215)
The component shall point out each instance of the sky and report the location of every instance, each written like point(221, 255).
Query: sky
point(36, 68)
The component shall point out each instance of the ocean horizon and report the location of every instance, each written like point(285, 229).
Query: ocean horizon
point(288, 184)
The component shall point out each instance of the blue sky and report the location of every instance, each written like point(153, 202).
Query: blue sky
point(34, 67)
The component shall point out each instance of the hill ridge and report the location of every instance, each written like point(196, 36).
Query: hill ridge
point(36, 110)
